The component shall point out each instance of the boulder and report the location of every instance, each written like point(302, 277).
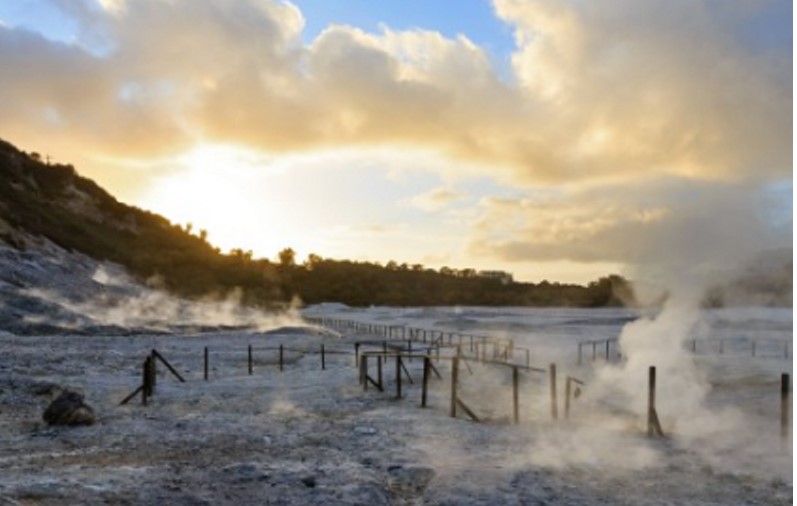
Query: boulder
point(69, 408)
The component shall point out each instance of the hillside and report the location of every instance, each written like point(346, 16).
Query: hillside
point(54, 202)
point(73, 212)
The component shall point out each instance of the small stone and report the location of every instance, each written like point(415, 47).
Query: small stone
point(309, 481)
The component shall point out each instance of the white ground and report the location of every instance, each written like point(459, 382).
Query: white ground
point(307, 436)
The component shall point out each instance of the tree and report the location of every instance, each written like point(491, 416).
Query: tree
point(287, 257)
point(312, 261)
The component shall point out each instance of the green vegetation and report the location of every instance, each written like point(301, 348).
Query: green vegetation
point(53, 201)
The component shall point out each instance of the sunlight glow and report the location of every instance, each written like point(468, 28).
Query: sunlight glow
point(225, 190)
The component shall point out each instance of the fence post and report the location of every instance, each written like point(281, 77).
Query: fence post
point(607, 350)
point(323, 358)
point(281, 358)
point(145, 391)
point(515, 406)
point(364, 371)
point(379, 372)
point(153, 371)
point(554, 403)
point(425, 381)
point(785, 391)
point(398, 376)
point(356, 353)
point(206, 363)
point(454, 379)
point(249, 351)
point(654, 427)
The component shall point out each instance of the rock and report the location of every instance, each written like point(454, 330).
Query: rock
point(309, 481)
point(412, 479)
point(69, 409)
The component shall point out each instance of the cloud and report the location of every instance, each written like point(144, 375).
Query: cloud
point(671, 222)
point(435, 200)
point(601, 92)
point(628, 131)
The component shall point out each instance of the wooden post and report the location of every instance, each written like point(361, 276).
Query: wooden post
point(356, 353)
point(454, 379)
point(654, 427)
point(651, 398)
point(425, 381)
point(379, 372)
point(323, 358)
point(515, 404)
point(145, 392)
point(554, 403)
point(153, 372)
point(398, 376)
point(206, 363)
point(607, 350)
point(250, 359)
point(364, 371)
point(785, 391)
point(281, 358)
point(567, 398)
point(158, 356)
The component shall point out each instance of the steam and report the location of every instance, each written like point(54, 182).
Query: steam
point(121, 302)
point(661, 342)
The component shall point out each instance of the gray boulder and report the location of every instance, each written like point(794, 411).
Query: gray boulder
point(69, 408)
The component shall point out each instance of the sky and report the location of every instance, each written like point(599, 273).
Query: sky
point(553, 139)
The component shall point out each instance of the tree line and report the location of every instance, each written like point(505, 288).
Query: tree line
point(39, 197)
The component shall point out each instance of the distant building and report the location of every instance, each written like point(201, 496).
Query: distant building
point(502, 276)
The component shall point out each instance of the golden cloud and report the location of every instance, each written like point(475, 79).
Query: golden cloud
point(601, 91)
